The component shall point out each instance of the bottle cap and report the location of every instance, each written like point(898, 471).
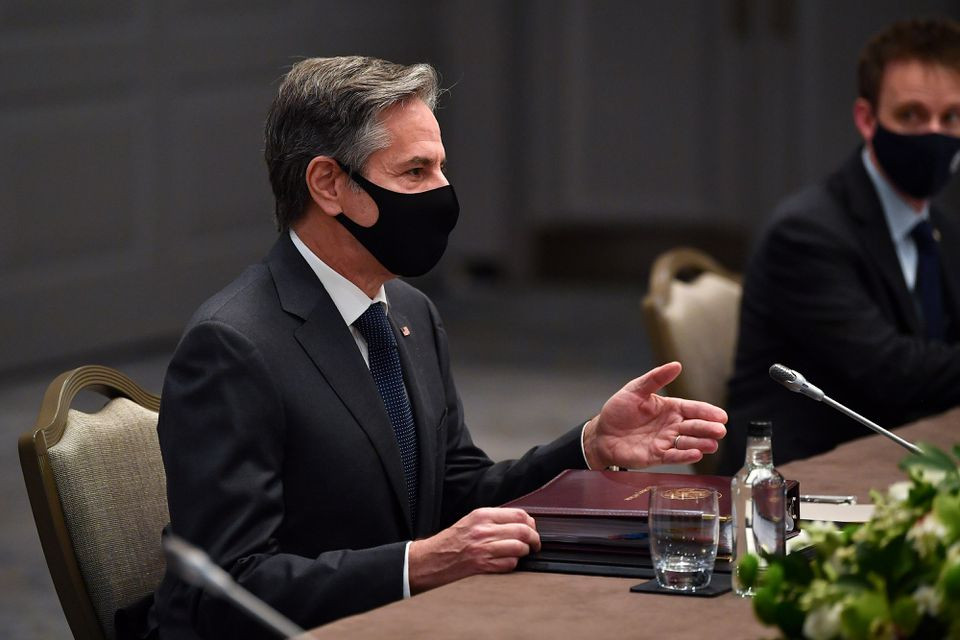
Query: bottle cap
point(760, 429)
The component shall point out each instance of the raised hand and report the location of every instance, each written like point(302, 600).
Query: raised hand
point(637, 428)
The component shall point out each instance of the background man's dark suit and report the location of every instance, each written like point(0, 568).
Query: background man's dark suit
point(282, 463)
point(824, 294)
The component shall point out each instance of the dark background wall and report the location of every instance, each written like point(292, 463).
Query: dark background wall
point(583, 138)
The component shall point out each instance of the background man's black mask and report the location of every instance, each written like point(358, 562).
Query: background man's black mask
point(918, 165)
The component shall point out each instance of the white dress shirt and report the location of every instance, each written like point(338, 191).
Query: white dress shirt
point(351, 302)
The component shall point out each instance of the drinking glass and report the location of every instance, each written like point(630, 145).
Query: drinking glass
point(684, 531)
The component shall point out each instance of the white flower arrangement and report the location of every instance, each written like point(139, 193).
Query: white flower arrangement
point(896, 576)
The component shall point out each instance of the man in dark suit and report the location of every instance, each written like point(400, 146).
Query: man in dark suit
point(312, 435)
point(856, 282)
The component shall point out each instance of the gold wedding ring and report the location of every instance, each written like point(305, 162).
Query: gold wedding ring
point(676, 442)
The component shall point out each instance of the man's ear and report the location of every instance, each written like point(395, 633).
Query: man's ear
point(322, 177)
point(865, 119)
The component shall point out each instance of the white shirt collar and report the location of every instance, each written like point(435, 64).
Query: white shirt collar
point(901, 217)
point(349, 299)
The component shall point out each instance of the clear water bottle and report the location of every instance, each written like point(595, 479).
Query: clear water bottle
point(758, 498)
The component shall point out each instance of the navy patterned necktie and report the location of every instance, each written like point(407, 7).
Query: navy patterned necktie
point(928, 289)
point(385, 368)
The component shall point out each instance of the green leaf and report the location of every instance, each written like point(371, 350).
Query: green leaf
point(950, 582)
point(931, 458)
point(864, 611)
point(797, 570)
point(765, 606)
point(892, 559)
point(921, 494)
point(903, 559)
point(947, 508)
point(790, 619)
point(853, 625)
point(772, 578)
point(906, 615)
point(934, 451)
point(853, 584)
point(849, 530)
point(925, 573)
point(747, 570)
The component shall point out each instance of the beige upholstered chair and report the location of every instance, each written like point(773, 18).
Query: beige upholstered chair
point(98, 492)
point(691, 311)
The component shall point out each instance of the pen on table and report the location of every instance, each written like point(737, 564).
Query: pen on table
point(824, 499)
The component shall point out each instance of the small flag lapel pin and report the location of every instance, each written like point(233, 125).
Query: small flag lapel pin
point(405, 330)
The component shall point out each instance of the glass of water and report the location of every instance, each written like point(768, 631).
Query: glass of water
point(684, 530)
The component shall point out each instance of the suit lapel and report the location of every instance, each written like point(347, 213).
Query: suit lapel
point(331, 346)
point(950, 237)
point(425, 425)
point(864, 205)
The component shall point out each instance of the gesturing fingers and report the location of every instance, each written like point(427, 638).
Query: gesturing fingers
point(655, 379)
point(682, 456)
point(686, 443)
point(695, 409)
point(701, 429)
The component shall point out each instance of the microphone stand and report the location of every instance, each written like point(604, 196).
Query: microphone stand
point(909, 446)
point(794, 381)
point(195, 567)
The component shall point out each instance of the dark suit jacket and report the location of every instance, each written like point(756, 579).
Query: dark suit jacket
point(281, 461)
point(824, 294)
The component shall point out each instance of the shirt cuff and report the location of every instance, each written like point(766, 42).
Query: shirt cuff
point(582, 449)
point(406, 561)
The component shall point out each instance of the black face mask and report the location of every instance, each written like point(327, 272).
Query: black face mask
point(918, 165)
point(410, 235)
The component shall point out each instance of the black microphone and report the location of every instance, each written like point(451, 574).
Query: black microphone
point(794, 381)
point(195, 567)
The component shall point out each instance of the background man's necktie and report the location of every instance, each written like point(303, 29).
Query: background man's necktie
point(385, 367)
point(928, 288)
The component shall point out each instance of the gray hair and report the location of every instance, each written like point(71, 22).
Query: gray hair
point(331, 107)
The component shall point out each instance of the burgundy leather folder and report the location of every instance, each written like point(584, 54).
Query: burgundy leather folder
point(596, 521)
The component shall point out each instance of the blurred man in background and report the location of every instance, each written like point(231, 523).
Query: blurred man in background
point(855, 282)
